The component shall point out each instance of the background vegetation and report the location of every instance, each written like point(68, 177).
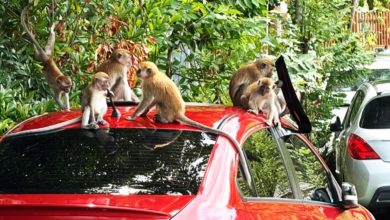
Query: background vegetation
point(197, 43)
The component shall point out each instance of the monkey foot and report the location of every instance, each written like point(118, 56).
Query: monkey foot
point(65, 110)
point(158, 118)
point(102, 122)
point(91, 126)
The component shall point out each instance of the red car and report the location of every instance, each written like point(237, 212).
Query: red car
point(146, 170)
point(143, 169)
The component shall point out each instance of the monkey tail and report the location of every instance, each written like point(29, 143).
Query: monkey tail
point(193, 123)
point(47, 128)
point(23, 18)
point(209, 129)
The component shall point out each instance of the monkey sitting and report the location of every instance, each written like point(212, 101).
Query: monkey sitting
point(260, 96)
point(160, 91)
point(116, 67)
point(248, 74)
point(94, 101)
point(58, 82)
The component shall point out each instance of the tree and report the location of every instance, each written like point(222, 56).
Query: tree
point(199, 44)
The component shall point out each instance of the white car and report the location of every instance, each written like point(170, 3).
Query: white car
point(362, 145)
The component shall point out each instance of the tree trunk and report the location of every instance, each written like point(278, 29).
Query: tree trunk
point(304, 45)
point(355, 4)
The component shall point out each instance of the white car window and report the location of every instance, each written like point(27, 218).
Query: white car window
point(376, 114)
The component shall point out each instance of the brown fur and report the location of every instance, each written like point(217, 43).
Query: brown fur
point(248, 74)
point(159, 90)
point(93, 101)
point(117, 67)
point(261, 97)
point(58, 82)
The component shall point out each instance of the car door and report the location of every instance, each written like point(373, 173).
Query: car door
point(340, 141)
point(318, 188)
point(273, 195)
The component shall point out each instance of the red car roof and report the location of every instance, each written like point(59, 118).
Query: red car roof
point(208, 114)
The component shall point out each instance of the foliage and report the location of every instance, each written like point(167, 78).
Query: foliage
point(329, 57)
point(199, 44)
point(191, 41)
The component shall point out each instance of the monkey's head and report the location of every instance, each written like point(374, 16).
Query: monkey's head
point(121, 56)
point(100, 81)
point(265, 85)
point(266, 66)
point(146, 69)
point(64, 83)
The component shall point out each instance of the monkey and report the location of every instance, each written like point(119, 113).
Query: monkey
point(94, 101)
point(58, 82)
point(261, 96)
point(248, 74)
point(116, 67)
point(160, 91)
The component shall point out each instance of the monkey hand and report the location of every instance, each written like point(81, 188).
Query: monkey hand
point(276, 122)
point(130, 118)
point(110, 93)
point(256, 112)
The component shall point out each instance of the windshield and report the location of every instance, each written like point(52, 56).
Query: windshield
point(376, 114)
point(118, 161)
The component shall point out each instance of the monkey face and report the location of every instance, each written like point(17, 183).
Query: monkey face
point(144, 73)
point(265, 85)
point(101, 84)
point(266, 66)
point(64, 83)
point(121, 56)
point(146, 69)
point(263, 89)
point(100, 81)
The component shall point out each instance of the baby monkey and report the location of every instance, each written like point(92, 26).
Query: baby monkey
point(248, 74)
point(261, 96)
point(94, 101)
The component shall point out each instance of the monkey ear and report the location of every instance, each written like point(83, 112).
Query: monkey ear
point(59, 79)
point(279, 83)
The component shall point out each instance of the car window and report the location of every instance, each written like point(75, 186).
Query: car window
point(311, 175)
point(120, 161)
point(266, 166)
point(354, 108)
point(376, 114)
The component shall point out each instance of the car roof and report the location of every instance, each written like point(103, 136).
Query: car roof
point(212, 115)
point(382, 86)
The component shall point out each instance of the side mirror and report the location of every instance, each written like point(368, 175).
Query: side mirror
point(349, 195)
point(321, 195)
point(336, 126)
